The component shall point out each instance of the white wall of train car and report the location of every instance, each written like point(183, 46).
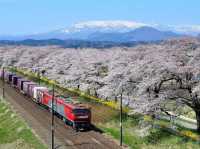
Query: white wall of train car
point(36, 94)
point(8, 76)
point(25, 87)
point(20, 83)
point(1, 73)
point(13, 79)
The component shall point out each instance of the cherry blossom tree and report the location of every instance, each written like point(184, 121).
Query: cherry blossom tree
point(181, 86)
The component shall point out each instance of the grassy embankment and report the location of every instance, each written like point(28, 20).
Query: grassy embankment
point(14, 133)
point(142, 132)
point(136, 135)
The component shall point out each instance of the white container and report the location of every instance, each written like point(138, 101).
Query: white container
point(35, 92)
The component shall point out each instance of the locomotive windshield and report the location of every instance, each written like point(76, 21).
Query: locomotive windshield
point(81, 111)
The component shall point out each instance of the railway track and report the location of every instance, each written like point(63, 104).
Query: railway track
point(39, 119)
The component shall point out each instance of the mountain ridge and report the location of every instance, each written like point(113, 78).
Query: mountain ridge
point(140, 34)
point(71, 43)
point(143, 33)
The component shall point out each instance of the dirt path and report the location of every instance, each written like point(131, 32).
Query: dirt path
point(39, 119)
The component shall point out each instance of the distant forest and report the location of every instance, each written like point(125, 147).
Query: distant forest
point(72, 43)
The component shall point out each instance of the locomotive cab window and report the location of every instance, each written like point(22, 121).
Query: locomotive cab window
point(81, 111)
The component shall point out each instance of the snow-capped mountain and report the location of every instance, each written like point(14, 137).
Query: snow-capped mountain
point(84, 30)
point(114, 31)
point(140, 34)
point(126, 26)
point(105, 26)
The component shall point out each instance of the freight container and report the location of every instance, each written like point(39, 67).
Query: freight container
point(26, 87)
point(12, 79)
point(6, 76)
point(15, 80)
point(19, 83)
point(40, 95)
point(37, 93)
point(9, 77)
point(30, 89)
point(1, 73)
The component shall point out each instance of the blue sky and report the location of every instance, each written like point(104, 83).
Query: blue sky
point(31, 16)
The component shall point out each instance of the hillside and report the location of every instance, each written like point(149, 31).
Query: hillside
point(14, 132)
point(105, 71)
point(101, 31)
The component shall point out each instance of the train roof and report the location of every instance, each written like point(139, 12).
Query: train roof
point(68, 102)
point(29, 83)
point(15, 76)
point(23, 79)
point(41, 88)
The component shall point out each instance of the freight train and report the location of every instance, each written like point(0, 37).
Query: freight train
point(72, 113)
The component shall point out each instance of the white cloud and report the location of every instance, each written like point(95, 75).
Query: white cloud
point(65, 31)
point(188, 29)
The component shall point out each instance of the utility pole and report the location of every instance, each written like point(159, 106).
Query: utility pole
point(121, 130)
point(3, 82)
point(52, 123)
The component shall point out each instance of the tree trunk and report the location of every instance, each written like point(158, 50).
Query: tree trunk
point(198, 120)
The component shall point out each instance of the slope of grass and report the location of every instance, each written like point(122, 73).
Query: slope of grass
point(137, 137)
point(14, 133)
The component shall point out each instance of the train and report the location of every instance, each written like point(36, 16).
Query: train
point(71, 112)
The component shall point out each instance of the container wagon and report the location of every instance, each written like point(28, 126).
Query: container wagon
point(1, 73)
point(30, 89)
point(38, 93)
point(15, 81)
point(21, 83)
point(26, 87)
point(9, 77)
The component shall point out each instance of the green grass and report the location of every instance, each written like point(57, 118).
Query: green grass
point(13, 129)
point(157, 138)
